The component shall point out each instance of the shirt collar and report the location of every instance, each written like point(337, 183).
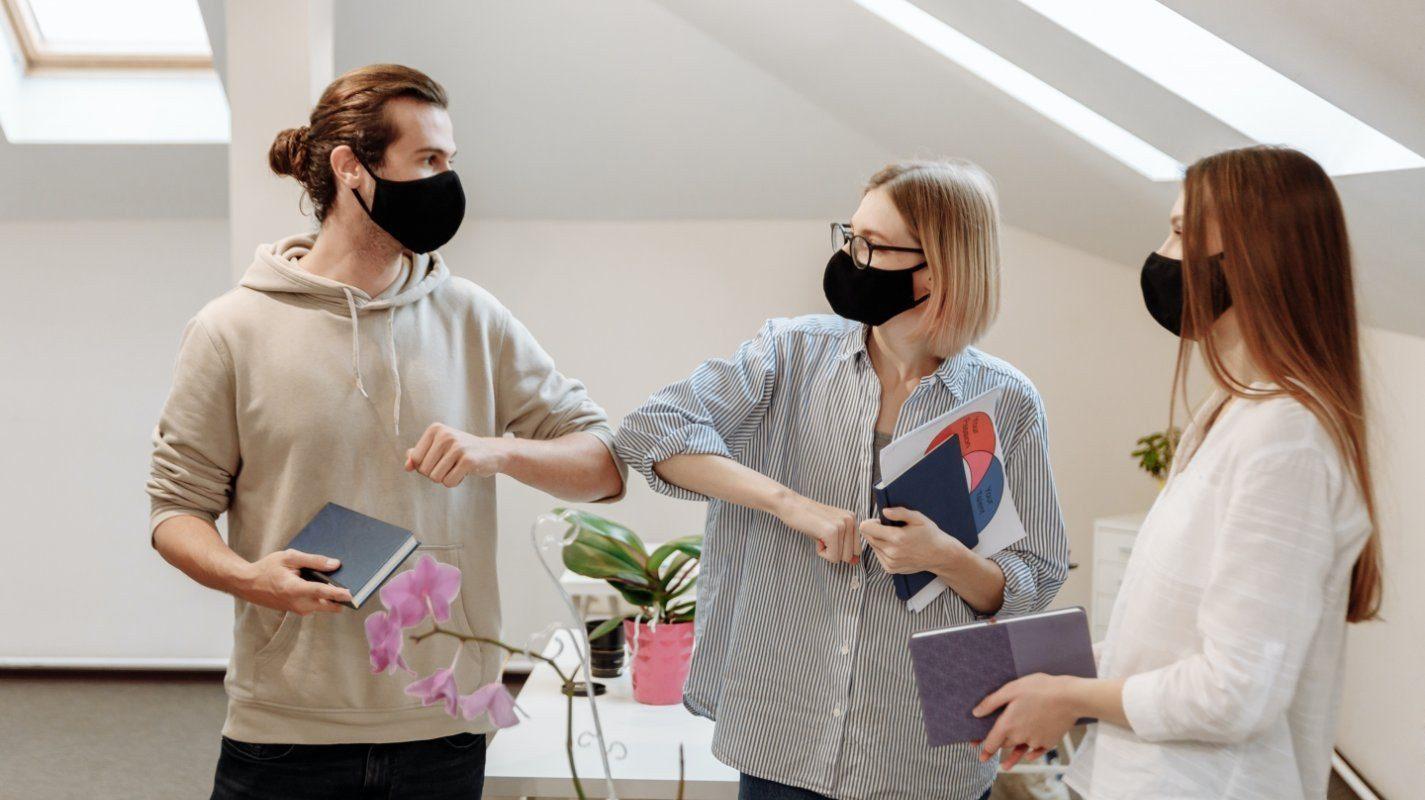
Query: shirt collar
point(951, 372)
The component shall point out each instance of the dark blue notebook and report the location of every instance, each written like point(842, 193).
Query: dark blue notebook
point(936, 487)
point(369, 549)
point(956, 668)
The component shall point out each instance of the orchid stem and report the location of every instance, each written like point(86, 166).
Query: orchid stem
point(564, 680)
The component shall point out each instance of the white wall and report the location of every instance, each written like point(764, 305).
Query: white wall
point(1382, 730)
point(626, 307)
point(87, 345)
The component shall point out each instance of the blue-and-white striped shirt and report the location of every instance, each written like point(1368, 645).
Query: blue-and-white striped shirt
point(805, 664)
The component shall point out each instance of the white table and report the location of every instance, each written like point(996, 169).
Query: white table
point(529, 759)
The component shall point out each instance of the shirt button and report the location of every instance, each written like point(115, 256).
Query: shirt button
point(836, 712)
point(845, 648)
point(856, 582)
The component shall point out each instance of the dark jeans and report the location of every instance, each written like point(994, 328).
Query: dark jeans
point(431, 769)
point(751, 788)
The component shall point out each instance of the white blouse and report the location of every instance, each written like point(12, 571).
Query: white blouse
point(1230, 622)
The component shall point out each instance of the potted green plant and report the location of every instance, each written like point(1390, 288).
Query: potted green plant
point(1155, 453)
point(659, 584)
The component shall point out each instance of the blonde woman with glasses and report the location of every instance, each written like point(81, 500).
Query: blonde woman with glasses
point(801, 656)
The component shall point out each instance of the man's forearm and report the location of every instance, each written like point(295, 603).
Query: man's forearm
point(576, 467)
point(193, 545)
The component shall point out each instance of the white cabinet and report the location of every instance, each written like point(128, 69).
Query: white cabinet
point(1112, 543)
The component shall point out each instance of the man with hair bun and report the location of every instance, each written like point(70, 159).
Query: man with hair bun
point(349, 366)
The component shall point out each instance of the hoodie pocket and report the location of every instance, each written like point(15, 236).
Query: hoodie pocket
point(322, 661)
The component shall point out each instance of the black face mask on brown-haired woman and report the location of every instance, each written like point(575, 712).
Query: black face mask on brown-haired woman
point(422, 214)
point(1162, 282)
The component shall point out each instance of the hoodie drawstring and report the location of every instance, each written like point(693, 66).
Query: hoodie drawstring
point(395, 366)
point(356, 355)
point(355, 343)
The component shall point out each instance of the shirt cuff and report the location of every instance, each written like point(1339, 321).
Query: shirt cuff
point(689, 440)
point(1021, 591)
point(1143, 706)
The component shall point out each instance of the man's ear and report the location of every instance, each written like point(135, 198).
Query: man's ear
point(346, 167)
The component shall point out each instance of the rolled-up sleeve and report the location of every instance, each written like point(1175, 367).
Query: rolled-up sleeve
point(195, 443)
point(1260, 609)
point(536, 401)
point(1034, 567)
point(711, 412)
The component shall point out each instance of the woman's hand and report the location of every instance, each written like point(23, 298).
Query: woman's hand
point(834, 529)
point(917, 546)
point(1038, 710)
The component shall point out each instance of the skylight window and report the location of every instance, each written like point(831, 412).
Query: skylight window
point(108, 34)
point(1024, 87)
point(1225, 82)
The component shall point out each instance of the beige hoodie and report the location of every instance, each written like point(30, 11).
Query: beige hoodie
point(293, 390)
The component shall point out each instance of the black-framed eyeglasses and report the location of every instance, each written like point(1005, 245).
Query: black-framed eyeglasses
point(861, 249)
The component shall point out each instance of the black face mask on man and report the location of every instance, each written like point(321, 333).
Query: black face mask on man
point(867, 294)
point(1162, 282)
point(422, 214)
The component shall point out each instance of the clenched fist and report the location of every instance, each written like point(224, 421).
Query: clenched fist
point(446, 455)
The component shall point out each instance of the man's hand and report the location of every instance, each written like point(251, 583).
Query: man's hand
point(272, 581)
point(446, 455)
point(834, 529)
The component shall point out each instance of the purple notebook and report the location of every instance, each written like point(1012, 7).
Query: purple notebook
point(958, 667)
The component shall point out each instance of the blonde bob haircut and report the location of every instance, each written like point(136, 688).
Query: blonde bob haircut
point(952, 211)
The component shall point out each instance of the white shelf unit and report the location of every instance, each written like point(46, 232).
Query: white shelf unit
point(1113, 539)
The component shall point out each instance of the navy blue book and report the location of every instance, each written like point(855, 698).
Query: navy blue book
point(936, 487)
point(956, 668)
point(369, 550)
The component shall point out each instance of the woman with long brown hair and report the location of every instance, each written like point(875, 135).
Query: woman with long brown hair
point(1221, 672)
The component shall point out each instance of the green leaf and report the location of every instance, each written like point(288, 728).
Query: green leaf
point(688, 545)
point(609, 530)
point(587, 556)
point(608, 625)
point(637, 595)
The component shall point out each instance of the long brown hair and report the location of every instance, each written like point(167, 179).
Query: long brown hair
point(352, 112)
point(951, 209)
point(1287, 265)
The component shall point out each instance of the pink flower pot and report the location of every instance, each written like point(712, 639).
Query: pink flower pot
point(660, 660)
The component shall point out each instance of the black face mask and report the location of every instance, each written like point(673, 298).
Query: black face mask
point(868, 295)
point(1162, 281)
point(422, 214)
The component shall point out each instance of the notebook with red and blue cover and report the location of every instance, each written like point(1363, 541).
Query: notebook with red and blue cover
point(935, 486)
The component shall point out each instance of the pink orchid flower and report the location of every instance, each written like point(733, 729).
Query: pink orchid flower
point(437, 687)
point(428, 587)
point(494, 699)
point(383, 633)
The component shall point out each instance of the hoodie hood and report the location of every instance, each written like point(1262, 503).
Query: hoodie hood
point(274, 270)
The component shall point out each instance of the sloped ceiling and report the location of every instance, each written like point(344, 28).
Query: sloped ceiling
point(664, 109)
